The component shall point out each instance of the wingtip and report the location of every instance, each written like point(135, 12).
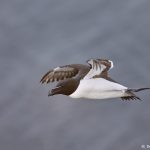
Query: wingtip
point(112, 64)
point(44, 78)
point(42, 81)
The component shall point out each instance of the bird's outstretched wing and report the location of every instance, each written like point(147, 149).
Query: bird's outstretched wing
point(98, 68)
point(65, 72)
point(59, 73)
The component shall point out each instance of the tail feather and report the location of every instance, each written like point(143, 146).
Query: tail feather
point(129, 95)
point(134, 97)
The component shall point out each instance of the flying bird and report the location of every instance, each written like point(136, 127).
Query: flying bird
point(88, 81)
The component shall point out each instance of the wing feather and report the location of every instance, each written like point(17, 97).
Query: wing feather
point(59, 73)
point(98, 68)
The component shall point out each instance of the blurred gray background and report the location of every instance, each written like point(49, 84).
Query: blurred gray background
point(36, 35)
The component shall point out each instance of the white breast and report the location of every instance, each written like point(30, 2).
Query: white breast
point(98, 88)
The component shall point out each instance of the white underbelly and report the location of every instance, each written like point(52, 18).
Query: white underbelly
point(98, 88)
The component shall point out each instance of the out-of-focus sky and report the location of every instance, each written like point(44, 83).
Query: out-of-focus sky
point(36, 36)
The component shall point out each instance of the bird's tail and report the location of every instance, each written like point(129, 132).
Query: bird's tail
point(129, 94)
